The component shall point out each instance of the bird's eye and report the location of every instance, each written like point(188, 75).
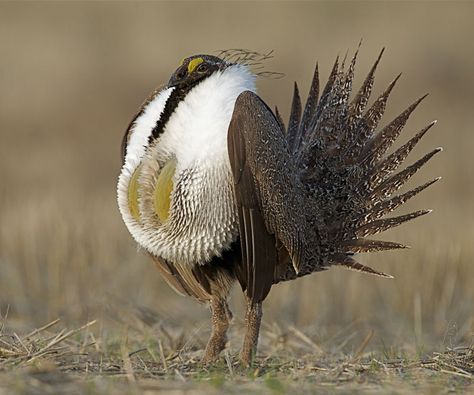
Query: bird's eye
point(202, 68)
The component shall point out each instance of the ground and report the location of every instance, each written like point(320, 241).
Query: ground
point(52, 360)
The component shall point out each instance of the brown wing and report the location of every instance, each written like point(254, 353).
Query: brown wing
point(181, 279)
point(266, 192)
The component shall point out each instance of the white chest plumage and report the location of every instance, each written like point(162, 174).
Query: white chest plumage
point(202, 219)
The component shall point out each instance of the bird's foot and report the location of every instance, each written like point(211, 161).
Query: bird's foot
point(214, 347)
point(221, 317)
point(247, 357)
point(253, 319)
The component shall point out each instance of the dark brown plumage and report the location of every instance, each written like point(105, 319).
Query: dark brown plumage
point(320, 187)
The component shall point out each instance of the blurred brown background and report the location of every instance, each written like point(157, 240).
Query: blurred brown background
point(73, 74)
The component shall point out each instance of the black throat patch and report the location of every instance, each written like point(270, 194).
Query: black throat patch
point(173, 101)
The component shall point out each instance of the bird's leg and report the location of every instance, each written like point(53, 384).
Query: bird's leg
point(221, 317)
point(253, 318)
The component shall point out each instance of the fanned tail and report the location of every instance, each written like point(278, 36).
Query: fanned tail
point(342, 160)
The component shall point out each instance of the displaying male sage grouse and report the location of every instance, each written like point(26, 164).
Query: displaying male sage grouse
point(217, 189)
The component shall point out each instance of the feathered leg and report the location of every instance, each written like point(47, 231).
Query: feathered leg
point(221, 317)
point(253, 318)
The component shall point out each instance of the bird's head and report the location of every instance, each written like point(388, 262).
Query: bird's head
point(227, 77)
point(195, 69)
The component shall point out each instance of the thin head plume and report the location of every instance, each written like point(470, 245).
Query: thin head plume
point(253, 59)
point(244, 56)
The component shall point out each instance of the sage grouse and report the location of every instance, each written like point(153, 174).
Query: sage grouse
point(216, 188)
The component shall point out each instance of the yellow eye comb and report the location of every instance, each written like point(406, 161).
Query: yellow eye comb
point(193, 64)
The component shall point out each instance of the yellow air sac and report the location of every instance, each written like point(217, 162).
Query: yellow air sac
point(133, 194)
point(163, 189)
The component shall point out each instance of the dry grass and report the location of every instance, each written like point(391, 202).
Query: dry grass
point(72, 76)
point(49, 360)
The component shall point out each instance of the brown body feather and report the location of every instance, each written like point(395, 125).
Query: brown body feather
point(328, 164)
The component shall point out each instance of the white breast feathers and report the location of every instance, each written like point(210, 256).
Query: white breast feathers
point(202, 219)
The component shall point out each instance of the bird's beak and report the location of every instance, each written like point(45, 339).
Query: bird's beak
point(177, 76)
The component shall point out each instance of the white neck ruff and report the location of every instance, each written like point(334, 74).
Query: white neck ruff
point(196, 135)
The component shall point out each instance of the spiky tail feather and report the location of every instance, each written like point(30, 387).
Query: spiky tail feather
point(342, 163)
